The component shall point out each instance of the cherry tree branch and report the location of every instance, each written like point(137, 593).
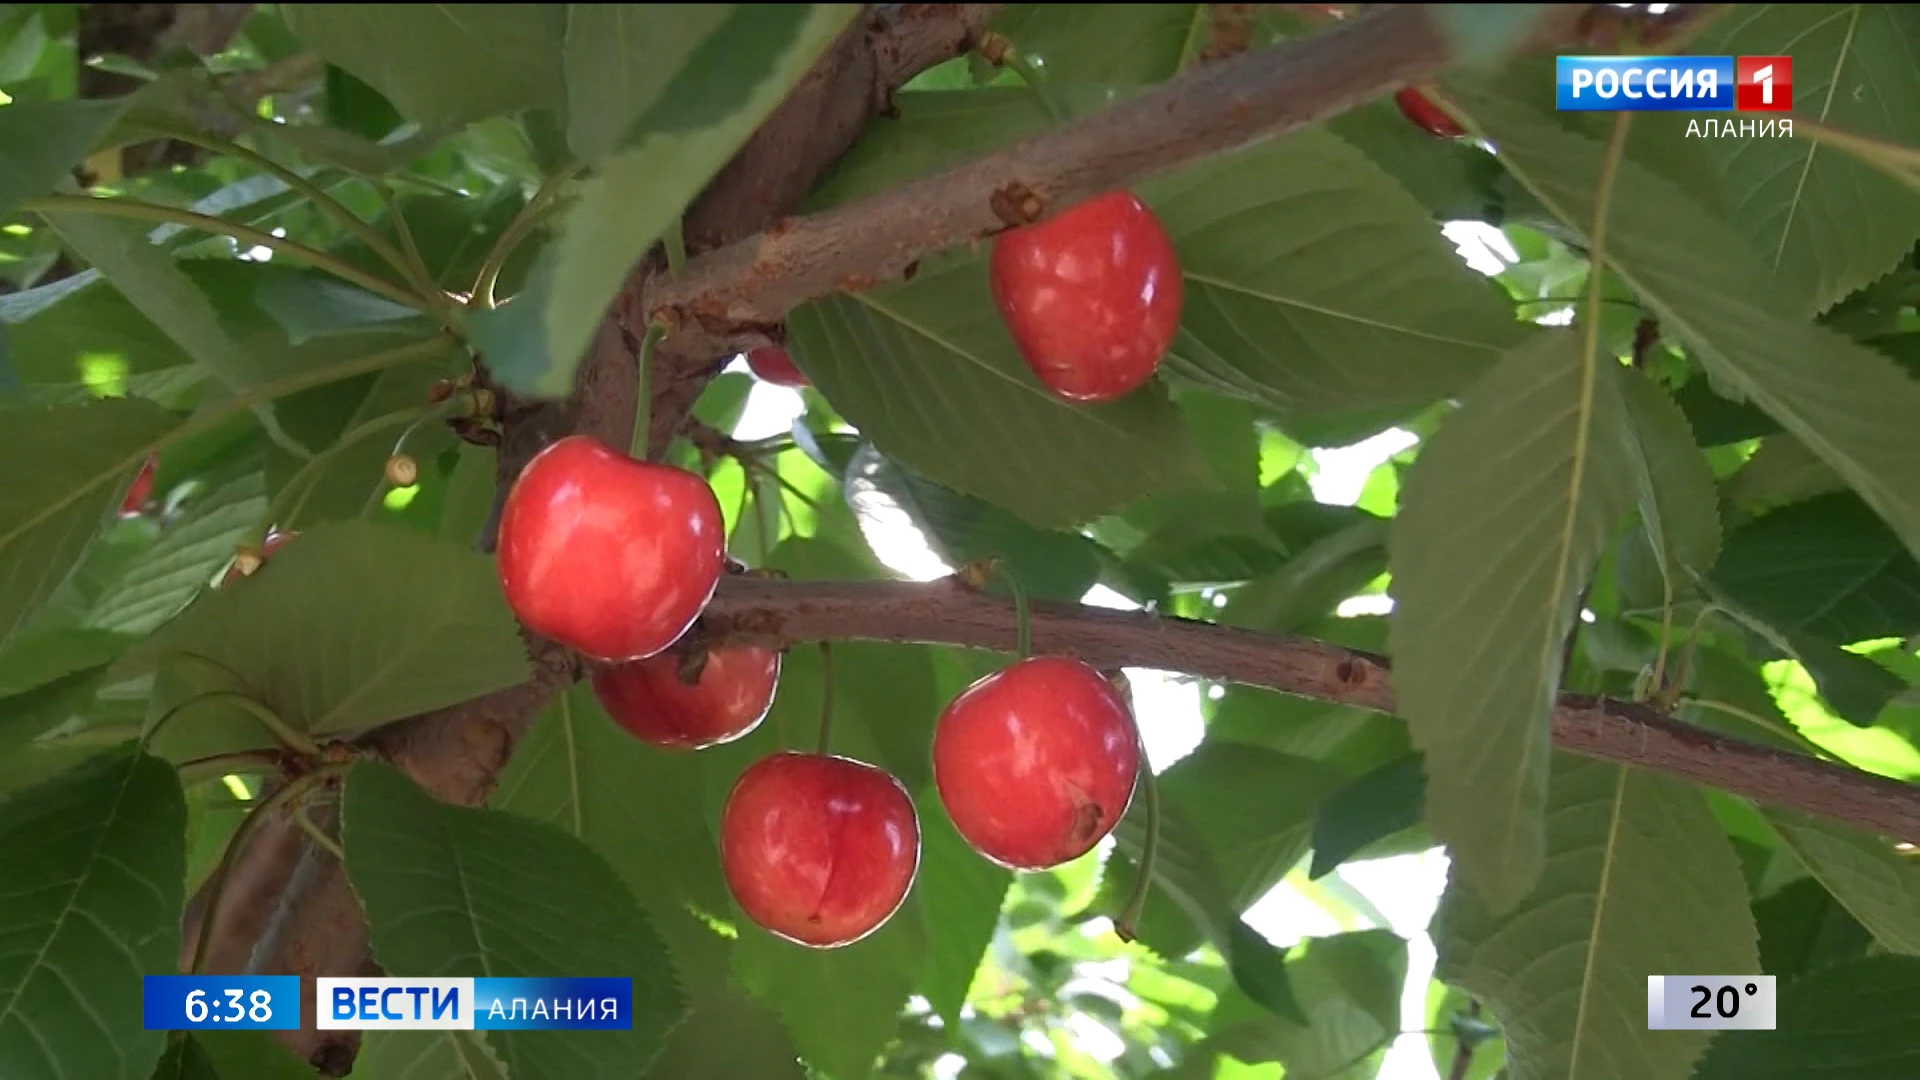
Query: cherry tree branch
point(288, 908)
point(734, 294)
point(774, 612)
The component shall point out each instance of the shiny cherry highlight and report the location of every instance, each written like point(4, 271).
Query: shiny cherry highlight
point(820, 850)
point(612, 557)
point(1036, 762)
point(1092, 297)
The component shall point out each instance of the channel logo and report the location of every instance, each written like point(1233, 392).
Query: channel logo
point(380, 1003)
point(1673, 84)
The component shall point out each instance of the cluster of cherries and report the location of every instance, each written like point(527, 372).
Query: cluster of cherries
point(1034, 763)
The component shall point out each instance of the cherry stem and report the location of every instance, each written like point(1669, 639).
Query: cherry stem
point(643, 403)
point(317, 834)
point(1124, 926)
point(293, 494)
point(826, 697)
point(1036, 82)
point(213, 767)
point(1022, 615)
point(280, 729)
point(433, 412)
point(676, 244)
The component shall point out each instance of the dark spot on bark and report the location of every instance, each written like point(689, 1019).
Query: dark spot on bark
point(912, 269)
point(1017, 204)
point(1349, 672)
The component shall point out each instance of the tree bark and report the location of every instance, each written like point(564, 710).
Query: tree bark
point(287, 908)
point(772, 612)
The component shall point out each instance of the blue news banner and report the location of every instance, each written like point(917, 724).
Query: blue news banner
point(1644, 83)
point(272, 1003)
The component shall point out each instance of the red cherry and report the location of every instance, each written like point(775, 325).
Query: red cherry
point(1036, 762)
point(1426, 115)
point(609, 556)
point(775, 366)
point(648, 697)
point(819, 850)
point(1092, 297)
point(142, 488)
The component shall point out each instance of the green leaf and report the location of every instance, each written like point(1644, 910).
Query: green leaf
point(82, 330)
point(1212, 535)
point(620, 60)
point(184, 1060)
point(35, 660)
point(1452, 178)
point(407, 623)
point(155, 284)
point(453, 892)
point(840, 1004)
point(1827, 567)
point(641, 809)
point(251, 1055)
point(46, 139)
point(95, 864)
point(1640, 879)
point(961, 529)
point(440, 65)
point(1853, 1021)
point(1854, 686)
point(47, 675)
point(1103, 44)
point(355, 426)
point(429, 1055)
point(699, 121)
point(1850, 404)
point(728, 1033)
point(168, 575)
point(213, 813)
point(1506, 510)
point(1679, 506)
point(1311, 584)
point(959, 895)
point(1803, 928)
point(1371, 808)
point(1219, 852)
point(1349, 986)
point(1823, 222)
point(1254, 808)
point(1781, 471)
point(926, 370)
point(49, 514)
point(1315, 285)
point(1879, 885)
point(453, 233)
